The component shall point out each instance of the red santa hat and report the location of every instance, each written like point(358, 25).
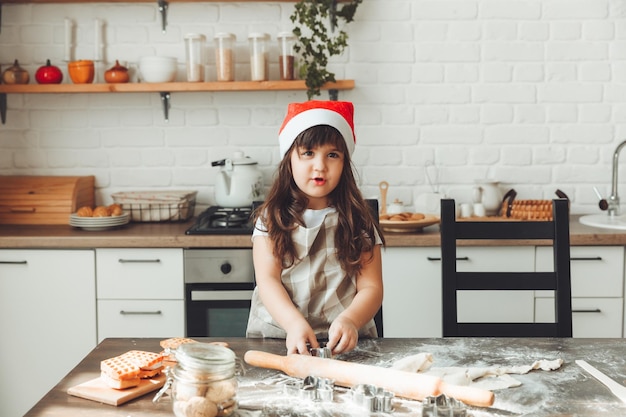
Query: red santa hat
point(301, 116)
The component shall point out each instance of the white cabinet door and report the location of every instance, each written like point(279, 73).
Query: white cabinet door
point(140, 293)
point(47, 321)
point(597, 288)
point(496, 306)
point(591, 317)
point(412, 298)
point(412, 279)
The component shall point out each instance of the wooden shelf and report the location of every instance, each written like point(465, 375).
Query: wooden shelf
point(169, 87)
point(164, 89)
point(151, 1)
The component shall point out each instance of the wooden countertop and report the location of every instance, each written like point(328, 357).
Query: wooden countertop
point(172, 235)
point(565, 392)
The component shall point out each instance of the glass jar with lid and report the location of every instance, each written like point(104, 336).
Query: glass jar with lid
point(286, 57)
point(204, 380)
point(225, 56)
point(259, 64)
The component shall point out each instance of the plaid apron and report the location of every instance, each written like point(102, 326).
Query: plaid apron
point(316, 284)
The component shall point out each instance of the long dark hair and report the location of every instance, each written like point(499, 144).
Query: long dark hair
point(282, 210)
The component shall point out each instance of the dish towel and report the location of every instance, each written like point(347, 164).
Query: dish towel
point(489, 378)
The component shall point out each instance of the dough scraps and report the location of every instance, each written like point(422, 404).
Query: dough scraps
point(489, 378)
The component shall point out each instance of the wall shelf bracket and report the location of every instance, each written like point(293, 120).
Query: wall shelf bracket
point(333, 94)
point(165, 98)
point(163, 10)
point(3, 107)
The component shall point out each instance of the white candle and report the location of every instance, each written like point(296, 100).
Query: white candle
point(68, 40)
point(98, 41)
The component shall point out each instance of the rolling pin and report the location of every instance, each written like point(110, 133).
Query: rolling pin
point(347, 374)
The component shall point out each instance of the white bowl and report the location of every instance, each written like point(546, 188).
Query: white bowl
point(158, 69)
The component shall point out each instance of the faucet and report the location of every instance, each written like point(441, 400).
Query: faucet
point(613, 200)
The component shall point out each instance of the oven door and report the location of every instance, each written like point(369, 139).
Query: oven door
point(217, 310)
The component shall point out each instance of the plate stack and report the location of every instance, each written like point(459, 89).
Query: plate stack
point(99, 223)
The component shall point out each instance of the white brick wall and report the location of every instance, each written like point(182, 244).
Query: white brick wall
point(531, 93)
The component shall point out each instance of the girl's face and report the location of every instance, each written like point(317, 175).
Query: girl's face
point(317, 172)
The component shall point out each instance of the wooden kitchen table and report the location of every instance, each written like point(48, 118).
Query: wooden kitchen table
point(568, 391)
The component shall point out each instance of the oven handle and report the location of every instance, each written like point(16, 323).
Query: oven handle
point(220, 295)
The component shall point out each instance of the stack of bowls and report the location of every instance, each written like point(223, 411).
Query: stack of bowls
point(81, 72)
point(158, 69)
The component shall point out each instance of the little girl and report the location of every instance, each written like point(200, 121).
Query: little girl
point(316, 245)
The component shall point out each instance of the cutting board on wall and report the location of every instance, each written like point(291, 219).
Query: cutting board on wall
point(98, 390)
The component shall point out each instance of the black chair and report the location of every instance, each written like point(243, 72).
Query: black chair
point(557, 231)
point(378, 318)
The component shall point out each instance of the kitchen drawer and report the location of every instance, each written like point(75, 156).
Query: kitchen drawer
point(597, 271)
point(141, 318)
point(496, 306)
point(591, 317)
point(140, 274)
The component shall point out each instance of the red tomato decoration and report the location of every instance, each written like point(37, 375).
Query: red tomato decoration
point(49, 74)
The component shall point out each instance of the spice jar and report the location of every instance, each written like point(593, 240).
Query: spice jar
point(259, 65)
point(225, 56)
point(286, 42)
point(204, 381)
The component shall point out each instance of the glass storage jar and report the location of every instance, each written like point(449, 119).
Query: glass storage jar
point(225, 56)
point(286, 42)
point(204, 381)
point(259, 64)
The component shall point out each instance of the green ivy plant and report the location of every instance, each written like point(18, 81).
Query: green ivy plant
point(318, 38)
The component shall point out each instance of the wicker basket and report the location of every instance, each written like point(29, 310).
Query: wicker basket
point(157, 206)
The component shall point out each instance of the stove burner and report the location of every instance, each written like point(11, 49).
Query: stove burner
point(232, 219)
point(222, 220)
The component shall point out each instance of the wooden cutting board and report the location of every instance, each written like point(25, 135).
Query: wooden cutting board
point(98, 390)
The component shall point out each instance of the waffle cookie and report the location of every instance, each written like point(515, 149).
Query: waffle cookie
point(128, 369)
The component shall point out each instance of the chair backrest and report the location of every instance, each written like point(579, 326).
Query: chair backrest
point(559, 281)
point(378, 318)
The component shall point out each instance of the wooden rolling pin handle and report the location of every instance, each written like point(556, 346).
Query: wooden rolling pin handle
point(403, 384)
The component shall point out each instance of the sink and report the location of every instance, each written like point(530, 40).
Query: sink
point(604, 221)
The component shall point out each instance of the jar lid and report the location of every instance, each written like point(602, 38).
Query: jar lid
point(258, 35)
point(286, 34)
point(201, 355)
point(194, 36)
point(225, 35)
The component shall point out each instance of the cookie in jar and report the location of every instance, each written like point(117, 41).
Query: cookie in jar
point(204, 381)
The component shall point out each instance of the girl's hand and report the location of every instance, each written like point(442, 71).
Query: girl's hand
point(343, 335)
point(300, 337)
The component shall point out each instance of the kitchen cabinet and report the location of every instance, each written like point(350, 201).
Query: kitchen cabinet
point(597, 290)
point(412, 292)
point(140, 293)
point(47, 321)
point(412, 282)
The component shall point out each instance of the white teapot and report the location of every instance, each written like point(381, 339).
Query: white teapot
point(489, 194)
point(239, 181)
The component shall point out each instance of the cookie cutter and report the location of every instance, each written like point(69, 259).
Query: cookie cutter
point(321, 352)
point(312, 388)
point(443, 406)
point(372, 398)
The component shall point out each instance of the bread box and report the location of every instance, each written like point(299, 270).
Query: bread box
point(43, 199)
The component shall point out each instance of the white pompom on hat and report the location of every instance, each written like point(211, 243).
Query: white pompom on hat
point(301, 116)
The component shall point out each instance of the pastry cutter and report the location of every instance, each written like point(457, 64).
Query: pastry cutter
point(616, 388)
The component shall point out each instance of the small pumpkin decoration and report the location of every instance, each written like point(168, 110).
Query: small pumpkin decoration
point(15, 74)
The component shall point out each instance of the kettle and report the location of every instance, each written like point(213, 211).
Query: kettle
point(239, 181)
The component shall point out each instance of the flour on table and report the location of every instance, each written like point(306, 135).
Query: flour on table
point(489, 378)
